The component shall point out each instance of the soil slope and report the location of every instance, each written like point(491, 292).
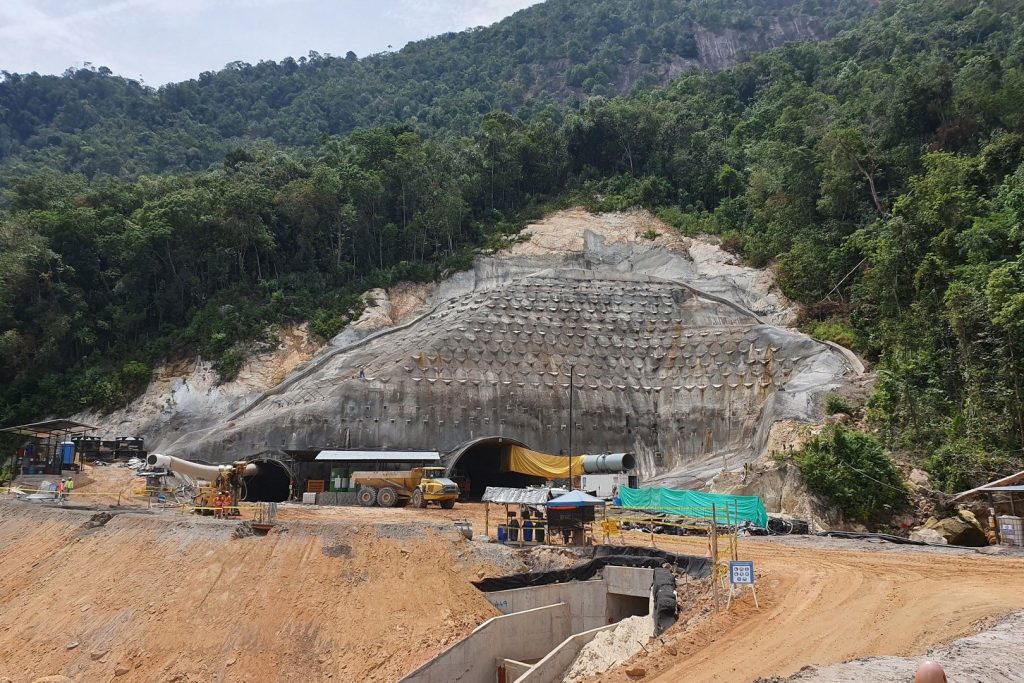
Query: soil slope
point(167, 598)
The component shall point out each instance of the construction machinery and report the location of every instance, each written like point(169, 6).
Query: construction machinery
point(221, 483)
point(416, 487)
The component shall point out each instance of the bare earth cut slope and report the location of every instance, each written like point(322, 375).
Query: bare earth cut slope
point(159, 598)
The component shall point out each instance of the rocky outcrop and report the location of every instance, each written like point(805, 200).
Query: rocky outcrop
point(927, 535)
point(960, 529)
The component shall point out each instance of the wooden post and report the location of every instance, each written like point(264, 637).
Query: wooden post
point(714, 556)
point(487, 518)
point(736, 530)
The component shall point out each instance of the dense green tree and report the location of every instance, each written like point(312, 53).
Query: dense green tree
point(880, 172)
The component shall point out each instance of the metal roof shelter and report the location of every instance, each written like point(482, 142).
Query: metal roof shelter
point(49, 434)
point(1004, 484)
point(381, 456)
point(47, 428)
point(1008, 485)
point(510, 496)
point(503, 495)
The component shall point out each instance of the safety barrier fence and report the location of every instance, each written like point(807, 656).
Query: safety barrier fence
point(133, 492)
point(138, 492)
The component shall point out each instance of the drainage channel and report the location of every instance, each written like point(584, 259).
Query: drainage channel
point(548, 618)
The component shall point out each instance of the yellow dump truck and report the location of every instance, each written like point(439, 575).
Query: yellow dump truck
point(417, 487)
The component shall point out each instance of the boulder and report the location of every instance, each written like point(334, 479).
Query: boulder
point(959, 530)
point(919, 479)
point(927, 535)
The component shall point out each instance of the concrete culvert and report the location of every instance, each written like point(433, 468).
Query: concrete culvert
point(270, 482)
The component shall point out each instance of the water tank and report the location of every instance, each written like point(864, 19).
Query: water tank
point(1011, 530)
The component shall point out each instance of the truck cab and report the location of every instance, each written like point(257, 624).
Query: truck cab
point(435, 486)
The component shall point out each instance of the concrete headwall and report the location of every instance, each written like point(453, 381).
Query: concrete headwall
point(524, 636)
point(555, 664)
point(635, 581)
point(586, 601)
point(621, 592)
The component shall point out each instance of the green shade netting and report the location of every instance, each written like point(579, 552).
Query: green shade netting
point(728, 509)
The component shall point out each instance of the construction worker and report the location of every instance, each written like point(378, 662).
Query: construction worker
point(60, 491)
point(218, 506)
point(70, 486)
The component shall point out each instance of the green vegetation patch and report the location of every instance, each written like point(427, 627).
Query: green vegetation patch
point(851, 469)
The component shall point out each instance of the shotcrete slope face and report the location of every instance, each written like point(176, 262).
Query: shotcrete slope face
point(682, 378)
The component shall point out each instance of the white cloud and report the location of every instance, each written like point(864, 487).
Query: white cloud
point(166, 40)
point(454, 15)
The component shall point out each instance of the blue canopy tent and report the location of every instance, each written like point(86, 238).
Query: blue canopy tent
point(574, 499)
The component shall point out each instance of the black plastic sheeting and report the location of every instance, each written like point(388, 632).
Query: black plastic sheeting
point(697, 567)
point(665, 603)
point(604, 555)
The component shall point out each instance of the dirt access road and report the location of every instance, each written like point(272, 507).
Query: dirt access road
point(822, 605)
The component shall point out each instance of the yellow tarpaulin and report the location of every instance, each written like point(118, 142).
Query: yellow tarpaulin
point(525, 461)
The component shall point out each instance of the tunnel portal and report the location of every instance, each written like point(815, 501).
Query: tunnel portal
point(479, 464)
point(271, 483)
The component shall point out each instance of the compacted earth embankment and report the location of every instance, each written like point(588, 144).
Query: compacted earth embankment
point(143, 597)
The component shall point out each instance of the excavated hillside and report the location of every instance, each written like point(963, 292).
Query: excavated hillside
point(677, 354)
point(128, 596)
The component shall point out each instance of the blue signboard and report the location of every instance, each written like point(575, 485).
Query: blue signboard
point(741, 573)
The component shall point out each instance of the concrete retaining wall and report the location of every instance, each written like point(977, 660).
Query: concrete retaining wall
point(337, 498)
point(587, 601)
point(635, 581)
point(514, 670)
point(524, 636)
point(554, 665)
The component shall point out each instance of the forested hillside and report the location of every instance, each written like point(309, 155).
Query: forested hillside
point(880, 171)
point(92, 122)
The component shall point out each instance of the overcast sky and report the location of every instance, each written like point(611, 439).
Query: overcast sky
point(173, 40)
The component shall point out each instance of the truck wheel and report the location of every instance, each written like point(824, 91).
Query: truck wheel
point(447, 504)
point(417, 500)
point(387, 497)
point(366, 496)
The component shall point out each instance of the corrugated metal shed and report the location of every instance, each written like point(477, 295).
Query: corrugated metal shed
point(1005, 481)
point(378, 456)
point(500, 494)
